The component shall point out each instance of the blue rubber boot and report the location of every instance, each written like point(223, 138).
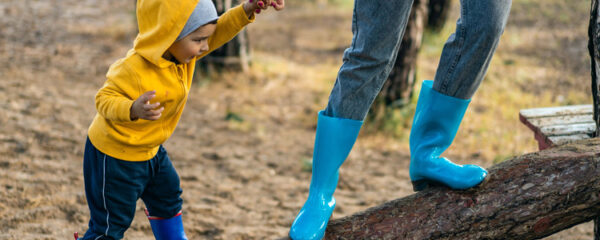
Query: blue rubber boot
point(167, 228)
point(434, 127)
point(333, 142)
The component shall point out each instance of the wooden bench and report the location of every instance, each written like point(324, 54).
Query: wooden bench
point(554, 126)
point(559, 125)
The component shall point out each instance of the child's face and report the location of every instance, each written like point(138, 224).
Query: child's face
point(192, 45)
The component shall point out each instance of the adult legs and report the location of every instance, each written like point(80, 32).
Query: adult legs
point(378, 27)
point(442, 104)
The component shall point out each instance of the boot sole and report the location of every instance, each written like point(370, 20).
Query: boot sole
point(289, 236)
point(421, 185)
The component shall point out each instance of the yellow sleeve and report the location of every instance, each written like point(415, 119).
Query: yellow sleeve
point(114, 99)
point(228, 26)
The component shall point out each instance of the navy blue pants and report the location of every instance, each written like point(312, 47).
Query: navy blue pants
point(113, 186)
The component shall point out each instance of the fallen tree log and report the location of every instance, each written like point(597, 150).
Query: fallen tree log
point(527, 197)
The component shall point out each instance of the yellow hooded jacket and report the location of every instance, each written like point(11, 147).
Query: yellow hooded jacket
point(143, 69)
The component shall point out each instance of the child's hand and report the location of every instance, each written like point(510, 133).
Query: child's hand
point(142, 108)
point(256, 6)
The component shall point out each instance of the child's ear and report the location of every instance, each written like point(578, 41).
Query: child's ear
point(167, 55)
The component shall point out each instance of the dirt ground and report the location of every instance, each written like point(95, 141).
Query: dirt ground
point(243, 177)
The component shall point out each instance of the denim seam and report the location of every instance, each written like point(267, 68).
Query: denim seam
point(461, 40)
point(354, 37)
point(354, 22)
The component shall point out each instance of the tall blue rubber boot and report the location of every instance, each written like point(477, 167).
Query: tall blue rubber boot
point(167, 228)
point(333, 142)
point(434, 127)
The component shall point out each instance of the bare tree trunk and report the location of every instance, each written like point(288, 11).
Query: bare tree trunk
point(438, 14)
point(527, 197)
point(594, 50)
point(398, 89)
point(596, 229)
point(232, 55)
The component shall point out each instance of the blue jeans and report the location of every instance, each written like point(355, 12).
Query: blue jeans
point(378, 27)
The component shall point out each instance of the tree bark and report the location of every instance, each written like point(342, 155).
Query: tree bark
point(527, 197)
point(594, 50)
point(596, 229)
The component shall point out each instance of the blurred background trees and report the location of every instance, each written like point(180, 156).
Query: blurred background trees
point(233, 55)
point(396, 92)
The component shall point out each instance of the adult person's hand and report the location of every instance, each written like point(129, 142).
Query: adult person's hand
point(278, 4)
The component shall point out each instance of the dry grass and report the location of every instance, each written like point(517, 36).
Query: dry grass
point(542, 61)
point(243, 143)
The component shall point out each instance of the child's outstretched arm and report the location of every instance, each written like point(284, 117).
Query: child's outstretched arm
point(235, 19)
